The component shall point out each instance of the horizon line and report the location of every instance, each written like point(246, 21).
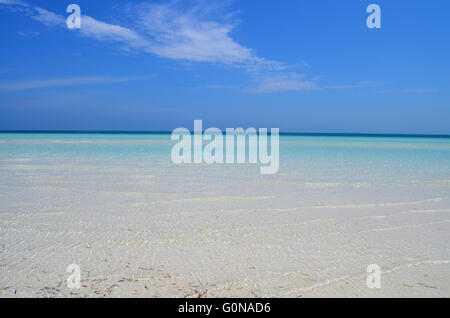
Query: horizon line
point(164, 132)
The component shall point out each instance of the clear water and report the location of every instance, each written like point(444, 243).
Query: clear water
point(388, 156)
point(114, 203)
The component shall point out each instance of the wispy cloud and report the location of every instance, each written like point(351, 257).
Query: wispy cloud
point(28, 33)
point(410, 91)
point(294, 82)
point(218, 86)
point(421, 90)
point(197, 33)
point(91, 27)
point(276, 82)
point(110, 32)
point(47, 17)
point(185, 31)
point(282, 82)
point(58, 82)
point(13, 2)
point(170, 31)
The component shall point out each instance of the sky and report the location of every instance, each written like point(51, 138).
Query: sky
point(301, 66)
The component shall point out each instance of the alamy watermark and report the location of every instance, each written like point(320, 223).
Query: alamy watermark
point(74, 20)
point(236, 146)
point(373, 21)
point(374, 276)
point(74, 279)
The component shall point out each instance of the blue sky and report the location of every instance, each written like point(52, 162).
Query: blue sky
point(305, 66)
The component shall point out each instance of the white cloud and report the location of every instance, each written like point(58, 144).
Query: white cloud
point(26, 33)
point(48, 18)
point(214, 86)
point(91, 27)
point(102, 31)
point(283, 82)
point(58, 82)
point(421, 90)
point(194, 34)
point(13, 2)
point(294, 82)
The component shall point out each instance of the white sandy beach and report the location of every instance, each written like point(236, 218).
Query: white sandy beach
point(148, 228)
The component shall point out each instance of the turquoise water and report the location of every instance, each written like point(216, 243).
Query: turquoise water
point(411, 151)
point(331, 158)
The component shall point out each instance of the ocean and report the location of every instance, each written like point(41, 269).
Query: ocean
point(116, 205)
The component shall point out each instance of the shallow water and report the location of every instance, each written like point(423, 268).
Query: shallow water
point(138, 225)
